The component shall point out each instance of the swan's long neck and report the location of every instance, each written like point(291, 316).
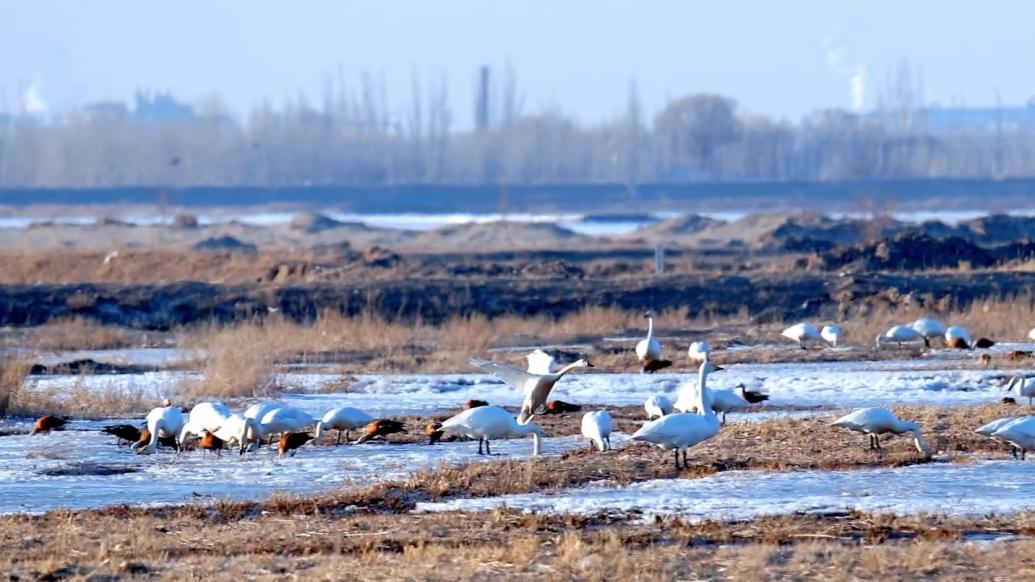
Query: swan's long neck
point(650, 327)
point(702, 378)
point(537, 435)
point(1018, 381)
point(557, 375)
point(319, 429)
point(156, 427)
point(912, 427)
point(537, 444)
point(249, 429)
point(919, 441)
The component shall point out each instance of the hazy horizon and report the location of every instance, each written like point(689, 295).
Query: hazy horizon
point(578, 57)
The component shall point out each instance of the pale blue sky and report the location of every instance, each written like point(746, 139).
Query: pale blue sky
point(776, 58)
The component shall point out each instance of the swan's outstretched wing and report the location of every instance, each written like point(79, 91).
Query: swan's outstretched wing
point(513, 377)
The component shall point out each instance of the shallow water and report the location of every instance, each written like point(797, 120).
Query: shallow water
point(940, 488)
point(26, 486)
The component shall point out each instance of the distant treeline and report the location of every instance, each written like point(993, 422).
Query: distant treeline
point(358, 140)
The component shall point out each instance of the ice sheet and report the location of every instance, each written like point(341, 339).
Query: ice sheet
point(940, 488)
point(26, 486)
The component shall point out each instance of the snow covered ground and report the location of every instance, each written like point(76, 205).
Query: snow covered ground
point(937, 380)
point(941, 488)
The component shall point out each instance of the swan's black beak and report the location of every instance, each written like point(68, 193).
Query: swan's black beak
point(717, 368)
point(589, 365)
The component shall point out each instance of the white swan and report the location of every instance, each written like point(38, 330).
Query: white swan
point(1031, 334)
point(261, 409)
point(657, 406)
point(957, 336)
point(539, 362)
point(241, 430)
point(649, 348)
point(990, 429)
point(722, 400)
point(596, 426)
point(205, 416)
point(801, 333)
point(898, 335)
point(1020, 433)
point(928, 329)
point(699, 353)
point(878, 421)
point(831, 334)
point(343, 418)
point(535, 387)
point(487, 423)
point(165, 421)
point(681, 431)
point(1024, 388)
point(285, 419)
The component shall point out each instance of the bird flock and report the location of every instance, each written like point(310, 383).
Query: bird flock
point(697, 414)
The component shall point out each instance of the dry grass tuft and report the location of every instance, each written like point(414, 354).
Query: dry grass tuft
point(238, 362)
point(79, 333)
point(81, 401)
point(13, 372)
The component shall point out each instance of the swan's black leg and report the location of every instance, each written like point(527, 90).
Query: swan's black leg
point(684, 459)
point(488, 451)
point(480, 446)
point(676, 451)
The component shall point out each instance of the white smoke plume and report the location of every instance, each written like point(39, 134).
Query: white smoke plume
point(839, 59)
point(32, 100)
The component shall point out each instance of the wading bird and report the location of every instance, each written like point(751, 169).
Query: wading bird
point(648, 350)
point(596, 426)
point(487, 423)
point(343, 418)
point(877, 421)
point(678, 432)
point(801, 333)
point(536, 387)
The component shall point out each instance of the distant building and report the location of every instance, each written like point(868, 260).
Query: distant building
point(160, 107)
point(978, 118)
point(106, 110)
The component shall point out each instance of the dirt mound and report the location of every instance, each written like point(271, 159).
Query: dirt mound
point(551, 269)
point(223, 243)
point(379, 257)
point(314, 222)
point(185, 221)
point(999, 228)
point(680, 226)
point(499, 234)
point(752, 230)
point(836, 231)
point(908, 251)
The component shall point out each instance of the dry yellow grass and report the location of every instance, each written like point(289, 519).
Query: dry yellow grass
point(997, 318)
point(80, 401)
point(292, 542)
point(78, 333)
point(237, 362)
point(12, 376)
